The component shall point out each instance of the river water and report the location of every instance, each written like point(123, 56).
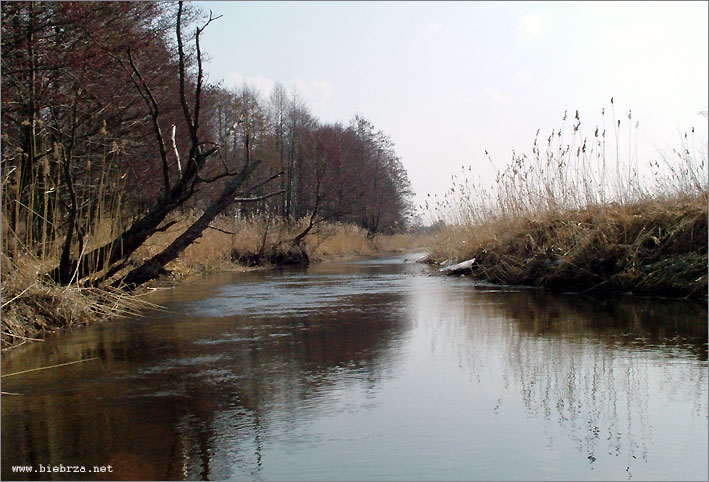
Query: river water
point(369, 370)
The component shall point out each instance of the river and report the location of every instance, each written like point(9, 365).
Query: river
point(367, 370)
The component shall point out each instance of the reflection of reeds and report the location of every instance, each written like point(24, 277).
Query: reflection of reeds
point(569, 217)
point(588, 366)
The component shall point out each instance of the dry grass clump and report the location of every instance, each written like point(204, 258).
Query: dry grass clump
point(33, 304)
point(399, 243)
point(33, 231)
point(567, 218)
point(341, 240)
point(210, 252)
point(337, 241)
point(327, 241)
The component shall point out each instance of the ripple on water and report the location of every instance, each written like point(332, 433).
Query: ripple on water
point(180, 363)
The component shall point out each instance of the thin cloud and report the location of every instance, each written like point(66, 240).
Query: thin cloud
point(315, 90)
point(532, 24)
point(263, 84)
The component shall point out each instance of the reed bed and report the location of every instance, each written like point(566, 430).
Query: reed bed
point(33, 305)
point(339, 241)
point(235, 243)
point(584, 215)
point(33, 232)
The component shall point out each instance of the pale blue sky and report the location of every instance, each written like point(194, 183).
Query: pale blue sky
point(449, 80)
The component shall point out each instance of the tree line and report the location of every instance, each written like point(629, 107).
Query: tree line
point(108, 124)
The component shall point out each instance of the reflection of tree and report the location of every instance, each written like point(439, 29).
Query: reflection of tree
point(205, 410)
point(585, 364)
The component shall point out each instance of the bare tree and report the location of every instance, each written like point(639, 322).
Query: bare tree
point(278, 111)
point(112, 256)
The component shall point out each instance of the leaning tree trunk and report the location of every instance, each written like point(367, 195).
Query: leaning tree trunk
point(152, 268)
point(120, 248)
point(125, 244)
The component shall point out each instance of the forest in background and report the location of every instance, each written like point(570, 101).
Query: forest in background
point(106, 113)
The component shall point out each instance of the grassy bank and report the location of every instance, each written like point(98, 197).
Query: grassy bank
point(573, 217)
point(656, 247)
point(33, 305)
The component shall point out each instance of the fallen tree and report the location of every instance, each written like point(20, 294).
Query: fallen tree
point(153, 267)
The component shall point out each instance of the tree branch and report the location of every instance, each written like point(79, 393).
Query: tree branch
point(174, 147)
point(154, 113)
point(221, 230)
point(258, 198)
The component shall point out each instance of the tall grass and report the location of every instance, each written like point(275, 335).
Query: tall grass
point(232, 240)
point(33, 231)
point(571, 171)
point(584, 212)
point(35, 204)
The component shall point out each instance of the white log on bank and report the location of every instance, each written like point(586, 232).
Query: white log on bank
point(459, 268)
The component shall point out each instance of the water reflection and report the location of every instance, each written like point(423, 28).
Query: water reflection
point(589, 367)
point(171, 391)
point(365, 371)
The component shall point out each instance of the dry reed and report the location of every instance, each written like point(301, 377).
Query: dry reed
point(569, 217)
point(34, 225)
point(254, 239)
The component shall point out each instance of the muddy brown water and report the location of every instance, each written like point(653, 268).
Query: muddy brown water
point(369, 370)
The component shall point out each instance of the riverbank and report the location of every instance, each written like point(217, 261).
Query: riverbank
point(263, 242)
point(577, 215)
point(653, 247)
point(33, 305)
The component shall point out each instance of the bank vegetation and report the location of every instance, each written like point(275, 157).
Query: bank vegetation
point(121, 163)
point(584, 213)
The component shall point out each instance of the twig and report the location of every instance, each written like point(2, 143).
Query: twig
point(46, 368)
point(13, 346)
point(21, 337)
point(36, 213)
point(258, 198)
point(221, 230)
point(174, 147)
point(13, 299)
point(76, 271)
